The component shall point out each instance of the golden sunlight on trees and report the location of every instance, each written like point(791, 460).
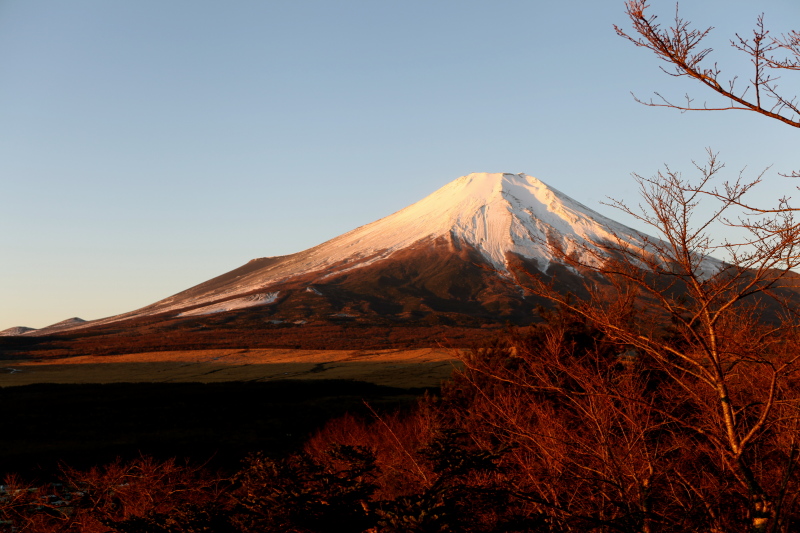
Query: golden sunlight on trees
point(665, 398)
point(683, 411)
point(722, 337)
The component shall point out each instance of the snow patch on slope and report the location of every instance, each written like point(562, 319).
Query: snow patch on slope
point(252, 300)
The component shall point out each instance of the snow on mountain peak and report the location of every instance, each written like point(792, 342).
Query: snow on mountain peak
point(496, 213)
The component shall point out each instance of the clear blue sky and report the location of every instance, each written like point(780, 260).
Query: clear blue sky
point(146, 146)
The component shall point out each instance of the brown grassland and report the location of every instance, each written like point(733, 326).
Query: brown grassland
point(416, 368)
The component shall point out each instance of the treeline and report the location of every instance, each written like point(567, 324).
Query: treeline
point(559, 430)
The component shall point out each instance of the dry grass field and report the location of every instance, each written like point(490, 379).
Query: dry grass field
point(212, 405)
point(410, 368)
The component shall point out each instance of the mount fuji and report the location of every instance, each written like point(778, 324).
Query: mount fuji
point(489, 217)
point(449, 258)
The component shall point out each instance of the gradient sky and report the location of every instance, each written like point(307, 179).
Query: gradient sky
point(147, 146)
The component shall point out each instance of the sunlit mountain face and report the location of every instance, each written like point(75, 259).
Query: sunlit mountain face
point(458, 257)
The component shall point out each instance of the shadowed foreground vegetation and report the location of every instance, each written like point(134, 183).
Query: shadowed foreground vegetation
point(86, 425)
point(557, 430)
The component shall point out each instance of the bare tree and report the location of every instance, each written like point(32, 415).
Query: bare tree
point(682, 412)
point(680, 45)
point(700, 428)
point(582, 454)
point(725, 333)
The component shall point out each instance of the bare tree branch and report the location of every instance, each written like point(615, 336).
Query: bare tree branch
point(680, 46)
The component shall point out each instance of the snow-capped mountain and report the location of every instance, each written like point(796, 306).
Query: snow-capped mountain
point(495, 214)
point(494, 221)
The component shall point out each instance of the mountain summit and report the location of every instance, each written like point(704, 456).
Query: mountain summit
point(451, 252)
point(494, 213)
point(497, 215)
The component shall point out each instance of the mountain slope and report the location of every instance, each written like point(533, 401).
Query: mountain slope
point(494, 214)
point(450, 252)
